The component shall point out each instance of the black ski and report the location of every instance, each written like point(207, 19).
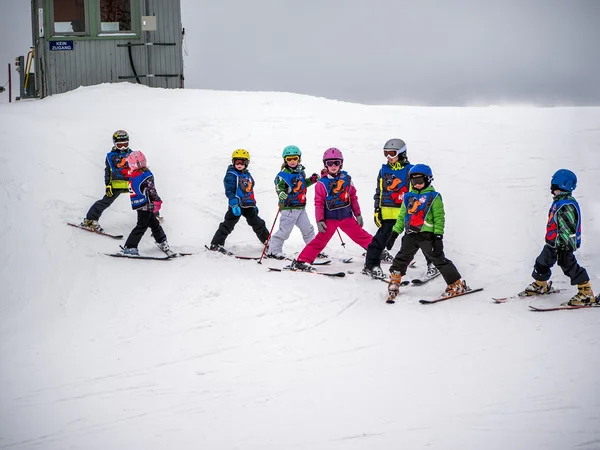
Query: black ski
point(327, 274)
point(155, 258)
point(441, 299)
point(566, 306)
point(102, 233)
point(426, 279)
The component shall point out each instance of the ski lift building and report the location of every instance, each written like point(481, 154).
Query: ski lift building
point(88, 42)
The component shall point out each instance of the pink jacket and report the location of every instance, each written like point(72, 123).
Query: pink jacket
point(321, 211)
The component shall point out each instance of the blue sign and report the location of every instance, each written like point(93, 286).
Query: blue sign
point(61, 45)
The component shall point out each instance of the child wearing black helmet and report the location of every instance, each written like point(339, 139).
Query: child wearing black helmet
point(116, 179)
point(422, 218)
point(563, 238)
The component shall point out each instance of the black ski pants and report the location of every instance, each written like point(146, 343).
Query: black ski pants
point(98, 208)
point(432, 249)
point(230, 221)
point(145, 220)
point(377, 245)
point(566, 261)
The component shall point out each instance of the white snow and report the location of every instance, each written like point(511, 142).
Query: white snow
point(211, 352)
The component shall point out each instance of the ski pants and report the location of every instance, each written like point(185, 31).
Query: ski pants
point(349, 226)
point(145, 220)
point(288, 218)
point(433, 249)
point(377, 245)
point(566, 261)
point(98, 208)
point(230, 221)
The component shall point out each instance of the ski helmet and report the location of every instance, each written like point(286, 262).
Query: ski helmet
point(240, 153)
point(120, 136)
point(136, 160)
point(333, 153)
point(422, 169)
point(395, 144)
point(565, 180)
point(291, 150)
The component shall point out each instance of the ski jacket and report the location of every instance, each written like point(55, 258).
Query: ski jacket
point(239, 187)
point(142, 191)
point(294, 183)
point(335, 198)
point(392, 184)
point(421, 211)
point(563, 230)
point(116, 169)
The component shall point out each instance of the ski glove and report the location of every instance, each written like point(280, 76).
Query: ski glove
point(256, 209)
point(360, 221)
point(321, 226)
point(109, 192)
point(377, 217)
point(282, 196)
point(314, 178)
point(236, 210)
point(157, 206)
point(391, 240)
point(438, 237)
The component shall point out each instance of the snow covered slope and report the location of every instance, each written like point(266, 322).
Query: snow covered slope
point(212, 352)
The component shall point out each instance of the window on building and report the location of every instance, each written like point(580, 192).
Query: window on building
point(115, 16)
point(69, 17)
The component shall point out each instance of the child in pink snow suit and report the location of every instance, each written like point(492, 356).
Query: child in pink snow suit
point(336, 205)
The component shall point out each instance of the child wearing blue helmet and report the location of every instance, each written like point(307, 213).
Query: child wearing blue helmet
point(422, 219)
point(563, 238)
point(290, 184)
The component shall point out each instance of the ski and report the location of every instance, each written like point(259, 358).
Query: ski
point(102, 233)
point(512, 297)
point(562, 308)
point(155, 258)
point(441, 299)
point(258, 258)
point(327, 274)
point(426, 279)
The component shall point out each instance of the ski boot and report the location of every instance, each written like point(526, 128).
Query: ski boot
point(537, 288)
point(91, 225)
point(131, 251)
point(164, 246)
point(584, 296)
point(432, 271)
point(301, 266)
point(219, 248)
point(386, 256)
point(374, 272)
point(394, 287)
point(279, 256)
point(456, 288)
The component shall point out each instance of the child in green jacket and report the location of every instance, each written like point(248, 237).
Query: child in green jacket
point(422, 219)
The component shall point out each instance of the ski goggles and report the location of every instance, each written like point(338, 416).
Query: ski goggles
point(292, 158)
point(333, 162)
point(393, 153)
point(240, 161)
point(417, 179)
point(122, 144)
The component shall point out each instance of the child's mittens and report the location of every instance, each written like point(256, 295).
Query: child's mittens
point(282, 196)
point(314, 178)
point(391, 240)
point(377, 217)
point(236, 210)
point(321, 226)
point(323, 172)
point(157, 206)
point(360, 221)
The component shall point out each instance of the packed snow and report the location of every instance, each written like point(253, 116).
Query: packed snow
point(212, 352)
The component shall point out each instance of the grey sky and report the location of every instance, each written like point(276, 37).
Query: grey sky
point(383, 51)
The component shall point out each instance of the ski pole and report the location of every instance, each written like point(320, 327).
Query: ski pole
point(343, 243)
point(269, 237)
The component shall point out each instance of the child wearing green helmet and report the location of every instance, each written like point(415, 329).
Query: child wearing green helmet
point(290, 185)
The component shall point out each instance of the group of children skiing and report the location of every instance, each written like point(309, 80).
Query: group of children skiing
point(405, 203)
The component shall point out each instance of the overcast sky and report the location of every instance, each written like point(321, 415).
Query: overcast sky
point(383, 51)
